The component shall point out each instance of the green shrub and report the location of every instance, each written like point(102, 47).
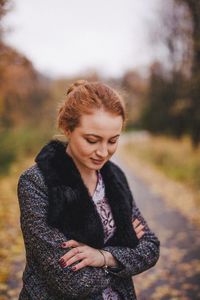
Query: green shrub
point(16, 144)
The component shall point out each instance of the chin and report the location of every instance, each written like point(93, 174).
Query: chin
point(95, 166)
point(99, 167)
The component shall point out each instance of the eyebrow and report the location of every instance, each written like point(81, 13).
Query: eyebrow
point(98, 136)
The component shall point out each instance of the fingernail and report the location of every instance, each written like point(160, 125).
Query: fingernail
point(63, 244)
point(73, 268)
point(62, 264)
point(61, 260)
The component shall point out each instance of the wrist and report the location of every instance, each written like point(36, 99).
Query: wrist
point(104, 264)
point(110, 260)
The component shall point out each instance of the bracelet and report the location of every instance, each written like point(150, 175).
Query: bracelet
point(105, 266)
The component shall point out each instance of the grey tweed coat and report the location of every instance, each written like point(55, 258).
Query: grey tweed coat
point(55, 206)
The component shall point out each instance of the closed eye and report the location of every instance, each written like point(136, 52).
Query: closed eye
point(91, 142)
point(114, 140)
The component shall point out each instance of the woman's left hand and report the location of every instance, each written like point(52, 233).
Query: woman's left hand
point(87, 256)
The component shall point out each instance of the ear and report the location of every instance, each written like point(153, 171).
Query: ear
point(67, 133)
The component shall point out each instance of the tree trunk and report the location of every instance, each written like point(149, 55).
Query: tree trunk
point(194, 7)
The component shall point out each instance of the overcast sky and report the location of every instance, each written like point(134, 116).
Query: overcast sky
point(66, 37)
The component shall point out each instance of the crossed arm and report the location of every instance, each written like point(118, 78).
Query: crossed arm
point(89, 256)
point(130, 261)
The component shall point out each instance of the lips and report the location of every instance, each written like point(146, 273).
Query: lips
point(97, 161)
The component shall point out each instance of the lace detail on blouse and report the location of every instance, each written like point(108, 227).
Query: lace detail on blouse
point(105, 213)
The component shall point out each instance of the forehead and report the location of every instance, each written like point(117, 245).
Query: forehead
point(100, 122)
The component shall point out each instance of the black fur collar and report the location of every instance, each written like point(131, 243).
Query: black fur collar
point(71, 208)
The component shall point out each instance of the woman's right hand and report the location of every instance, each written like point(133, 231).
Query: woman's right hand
point(138, 227)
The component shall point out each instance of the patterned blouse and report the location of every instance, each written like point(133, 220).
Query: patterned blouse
point(105, 213)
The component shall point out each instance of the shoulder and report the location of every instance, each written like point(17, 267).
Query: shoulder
point(32, 176)
point(32, 191)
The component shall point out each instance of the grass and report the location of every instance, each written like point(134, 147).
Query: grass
point(175, 158)
point(11, 243)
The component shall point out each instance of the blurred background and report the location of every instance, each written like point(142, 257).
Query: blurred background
point(150, 52)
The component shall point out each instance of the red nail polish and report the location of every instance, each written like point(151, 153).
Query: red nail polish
point(63, 244)
point(73, 268)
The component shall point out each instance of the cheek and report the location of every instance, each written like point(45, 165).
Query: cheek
point(86, 149)
point(112, 149)
point(78, 149)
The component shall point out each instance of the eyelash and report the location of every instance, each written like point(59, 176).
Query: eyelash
point(90, 142)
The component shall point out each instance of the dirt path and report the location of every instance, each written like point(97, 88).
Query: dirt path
point(177, 274)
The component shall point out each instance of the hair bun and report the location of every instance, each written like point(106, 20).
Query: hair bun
point(74, 85)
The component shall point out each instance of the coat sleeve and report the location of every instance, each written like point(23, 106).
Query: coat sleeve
point(144, 256)
point(42, 243)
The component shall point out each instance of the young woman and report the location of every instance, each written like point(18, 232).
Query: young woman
point(84, 236)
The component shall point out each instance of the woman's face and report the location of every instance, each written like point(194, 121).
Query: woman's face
point(95, 140)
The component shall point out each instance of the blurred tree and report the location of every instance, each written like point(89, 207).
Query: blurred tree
point(4, 7)
point(133, 88)
point(3, 10)
point(194, 111)
point(166, 109)
point(176, 34)
point(174, 92)
point(24, 93)
point(25, 101)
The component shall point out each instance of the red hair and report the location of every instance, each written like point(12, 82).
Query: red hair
point(84, 97)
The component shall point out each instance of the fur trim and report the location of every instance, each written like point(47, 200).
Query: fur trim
point(71, 208)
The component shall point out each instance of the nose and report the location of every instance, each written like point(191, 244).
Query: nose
point(102, 151)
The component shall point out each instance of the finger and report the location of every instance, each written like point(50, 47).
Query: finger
point(71, 243)
point(140, 234)
point(74, 259)
point(80, 265)
point(69, 254)
point(139, 228)
point(135, 223)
